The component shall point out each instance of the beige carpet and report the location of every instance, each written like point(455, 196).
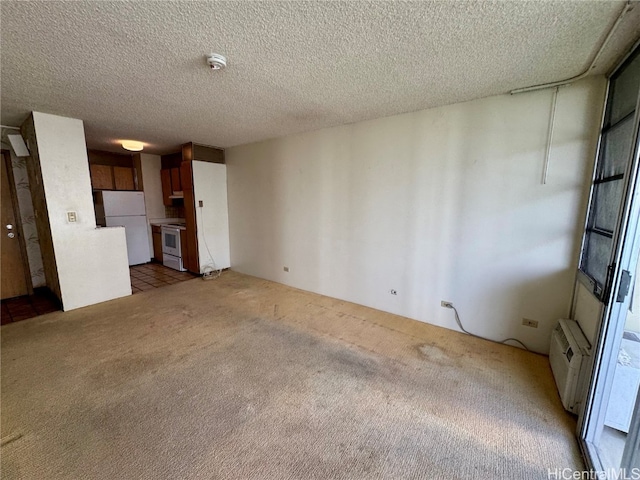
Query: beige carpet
point(243, 378)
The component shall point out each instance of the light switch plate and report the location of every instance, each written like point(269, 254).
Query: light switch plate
point(72, 217)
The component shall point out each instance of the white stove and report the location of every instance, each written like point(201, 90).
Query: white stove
point(172, 246)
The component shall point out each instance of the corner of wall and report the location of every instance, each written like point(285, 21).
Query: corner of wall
point(91, 263)
point(41, 212)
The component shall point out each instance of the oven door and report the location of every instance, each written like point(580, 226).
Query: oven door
point(171, 241)
point(173, 262)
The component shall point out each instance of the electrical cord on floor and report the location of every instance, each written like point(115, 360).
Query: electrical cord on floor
point(209, 269)
point(450, 305)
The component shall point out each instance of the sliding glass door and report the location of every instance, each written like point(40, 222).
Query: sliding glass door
point(610, 420)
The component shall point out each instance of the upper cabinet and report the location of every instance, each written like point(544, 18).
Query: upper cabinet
point(203, 153)
point(101, 177)
point(123, 178)
point(176, 185)
point(171, 185)
point(165, 177)
point(170, 176)
point(112, 171)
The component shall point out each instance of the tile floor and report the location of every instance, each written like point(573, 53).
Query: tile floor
point(154, 275)
point(143, 277)
point(20, 308)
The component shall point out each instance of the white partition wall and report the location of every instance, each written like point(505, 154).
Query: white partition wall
point(212, 218)
point(151, 166)
point(91, 262)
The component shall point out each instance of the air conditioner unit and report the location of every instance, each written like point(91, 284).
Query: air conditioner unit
point(568, 356)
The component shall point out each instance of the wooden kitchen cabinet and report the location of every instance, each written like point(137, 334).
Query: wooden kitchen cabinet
point(101, 177)
point(106, 177)
point(123, 178)
point(171, 183)
point(203, 153)
point(113, 171)
point(165, 177)
point(156, 232)
point(176, 185)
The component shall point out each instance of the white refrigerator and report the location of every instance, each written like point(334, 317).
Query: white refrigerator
point(126, 209)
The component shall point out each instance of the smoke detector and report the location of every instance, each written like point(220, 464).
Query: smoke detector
point(216, 61)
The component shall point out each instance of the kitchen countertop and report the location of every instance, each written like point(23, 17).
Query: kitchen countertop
point(174, 222)
point(165, 221)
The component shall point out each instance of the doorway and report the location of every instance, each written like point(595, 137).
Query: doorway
point(16, 280)
point(20, 300)
point(609, 423)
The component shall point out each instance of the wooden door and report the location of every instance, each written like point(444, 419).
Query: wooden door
point(14, 280)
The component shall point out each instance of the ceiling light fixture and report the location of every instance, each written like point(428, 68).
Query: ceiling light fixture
point(132, 145)
point(216, 61)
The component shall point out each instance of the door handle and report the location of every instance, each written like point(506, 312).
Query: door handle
point(11, 234)
point(623, 288)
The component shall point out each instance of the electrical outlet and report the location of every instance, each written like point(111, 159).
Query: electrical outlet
point(72, 217)
point(286, 269)
point(527, 322)
point(200, 203)
point(445, 304)
point(393, 292)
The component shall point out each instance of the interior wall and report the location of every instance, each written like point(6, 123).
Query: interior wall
point(439, 204)
point(91, 262)
point(39, 201)
point(152, 186)
point(212, 219)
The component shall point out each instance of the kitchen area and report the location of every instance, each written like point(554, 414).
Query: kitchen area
point(173, 208)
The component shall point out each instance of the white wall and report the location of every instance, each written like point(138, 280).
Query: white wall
point(92, 263)
point(212, 220)
point(152, 183)
point(440, 204)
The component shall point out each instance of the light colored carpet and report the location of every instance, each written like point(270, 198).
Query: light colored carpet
point(244, 378)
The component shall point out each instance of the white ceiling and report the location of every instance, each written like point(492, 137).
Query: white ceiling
point(138, 70)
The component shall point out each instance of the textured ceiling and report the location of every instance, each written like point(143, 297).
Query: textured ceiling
point(138, 70)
